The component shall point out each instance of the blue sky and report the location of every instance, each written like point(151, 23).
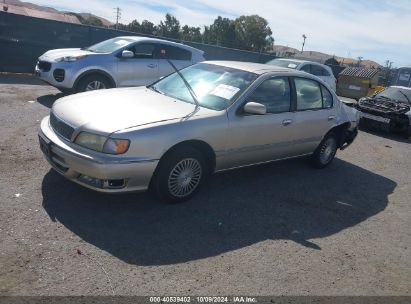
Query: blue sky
point(376, 30)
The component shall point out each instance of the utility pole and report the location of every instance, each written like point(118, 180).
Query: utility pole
point(118, 15)
point(359, 61)
point(304, 37)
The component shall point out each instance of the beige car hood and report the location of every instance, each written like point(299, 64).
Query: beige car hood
point(107, 111)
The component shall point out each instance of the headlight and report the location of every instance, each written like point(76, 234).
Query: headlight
point(91, 141)
point(101, 143)
point(70, 58)
point(116, 146)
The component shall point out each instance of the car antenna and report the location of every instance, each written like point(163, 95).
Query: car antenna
point(190, 89)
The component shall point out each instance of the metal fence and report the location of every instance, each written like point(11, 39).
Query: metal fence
point(23, 39)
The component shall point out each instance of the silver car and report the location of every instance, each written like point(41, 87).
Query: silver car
point(209, 117)
point(322, 71)
point(117, 62)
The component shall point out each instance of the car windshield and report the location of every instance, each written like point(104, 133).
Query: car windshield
point(398, 94)
point(284, 63)
point(109, 46)
point(216, 87)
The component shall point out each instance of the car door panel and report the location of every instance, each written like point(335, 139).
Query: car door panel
point(143, 69)
point(261, 138)
point(314, 116)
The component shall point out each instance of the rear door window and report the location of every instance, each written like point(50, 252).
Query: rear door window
point(309, 95)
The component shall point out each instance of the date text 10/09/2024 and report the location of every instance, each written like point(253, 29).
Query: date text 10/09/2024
point(234, 299)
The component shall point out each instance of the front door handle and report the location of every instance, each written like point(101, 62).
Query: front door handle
point(287, 122)
point(331, 117)
point(152, 65)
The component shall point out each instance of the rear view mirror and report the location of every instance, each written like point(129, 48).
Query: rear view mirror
point(127, 54)
point(255, 108)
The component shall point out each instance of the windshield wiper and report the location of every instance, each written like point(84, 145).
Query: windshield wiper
point(405, 96)
point(190, 89)
point(152, 87)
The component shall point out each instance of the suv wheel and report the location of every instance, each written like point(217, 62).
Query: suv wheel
point(93, 82)
point(179, 175)
point(325, 152)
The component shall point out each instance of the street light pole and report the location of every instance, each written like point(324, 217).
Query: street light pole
point(304, 37)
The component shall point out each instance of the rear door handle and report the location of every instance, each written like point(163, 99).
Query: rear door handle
point(152, 65)
point(287, 122)
point(331, 117)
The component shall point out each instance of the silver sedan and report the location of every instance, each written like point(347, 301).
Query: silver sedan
point(209, 117)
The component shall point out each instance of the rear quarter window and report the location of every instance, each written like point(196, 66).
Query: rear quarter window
point(319, 71)
point(176, 53)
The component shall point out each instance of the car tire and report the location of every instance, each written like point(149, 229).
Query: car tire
point(93, 82)
point(179, 175)
point(325, 152)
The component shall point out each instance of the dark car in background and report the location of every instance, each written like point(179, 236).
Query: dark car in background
point(388, 110)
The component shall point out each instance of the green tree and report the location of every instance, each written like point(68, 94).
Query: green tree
point(134, 26)
point(170, 27)
point(191, 33)
point(148, 28)
point(221, 32)
point(252, 33)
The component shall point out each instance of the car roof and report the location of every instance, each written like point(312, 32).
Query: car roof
point(149, 39)
point(252, 67)
point(292, 59)
point(302, 61)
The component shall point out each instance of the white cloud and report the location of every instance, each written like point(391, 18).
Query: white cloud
point(377, 29)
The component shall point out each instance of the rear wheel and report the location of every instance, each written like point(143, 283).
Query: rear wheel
point(179, 175)
point(93, 82)
point(325, 152)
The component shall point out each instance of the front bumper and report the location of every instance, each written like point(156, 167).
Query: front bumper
point(97, 171)
point(58, 69)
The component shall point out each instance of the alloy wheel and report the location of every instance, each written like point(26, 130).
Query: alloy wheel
point(185, 177)
point(328, 150)
point(95, 85)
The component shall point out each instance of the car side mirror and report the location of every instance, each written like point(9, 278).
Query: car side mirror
point(252, 107)
point(127, 54)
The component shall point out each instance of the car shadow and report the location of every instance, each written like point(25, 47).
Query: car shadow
point(48, 100)
point(27, 79)
point(385, 134)
point(281, 201)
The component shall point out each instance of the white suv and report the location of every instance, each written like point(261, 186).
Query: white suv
point(117, 62)
point(322, 71)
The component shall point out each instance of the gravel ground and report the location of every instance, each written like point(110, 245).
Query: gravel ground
point(278, 229)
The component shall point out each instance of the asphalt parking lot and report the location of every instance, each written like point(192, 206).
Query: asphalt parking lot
point(278, 229)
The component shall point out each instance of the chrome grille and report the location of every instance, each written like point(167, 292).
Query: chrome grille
point(60, 127)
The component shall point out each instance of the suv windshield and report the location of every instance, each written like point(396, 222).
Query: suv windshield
point(398, 94)
point(216, 87)
point(284, 63)
point(109, 46)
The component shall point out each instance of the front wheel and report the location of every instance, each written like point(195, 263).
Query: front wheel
point(93, 82)
point(325, 152)
point(179, 175)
